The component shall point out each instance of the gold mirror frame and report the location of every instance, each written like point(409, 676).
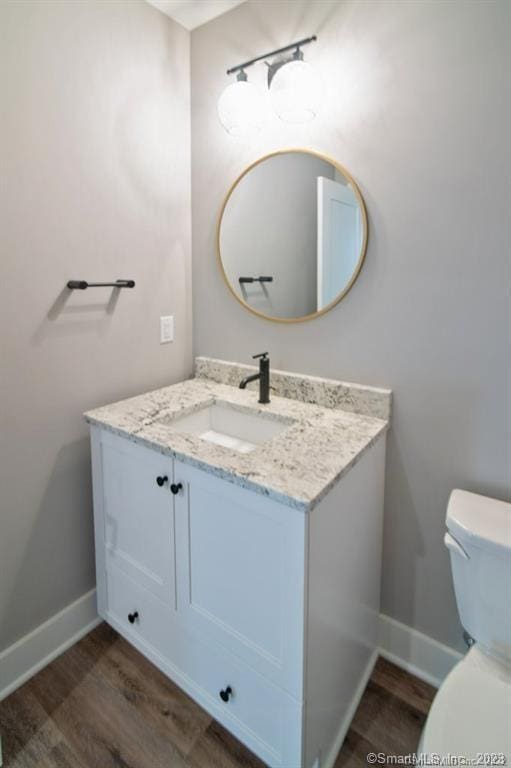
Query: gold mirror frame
point(363, 249)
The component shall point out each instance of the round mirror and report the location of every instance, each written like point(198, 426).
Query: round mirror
point(292, 235)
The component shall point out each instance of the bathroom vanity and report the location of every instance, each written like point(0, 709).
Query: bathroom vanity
point(238, 547)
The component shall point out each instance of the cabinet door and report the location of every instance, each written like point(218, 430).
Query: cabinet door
point(240, 571)
point(138, 515)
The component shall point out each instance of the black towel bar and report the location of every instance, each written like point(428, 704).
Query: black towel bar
point(261, 279)
point(83, 284)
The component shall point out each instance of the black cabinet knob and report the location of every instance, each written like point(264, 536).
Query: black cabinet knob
point(161, 480)
point(224, 695)
point(176, 487)
point(132, 617)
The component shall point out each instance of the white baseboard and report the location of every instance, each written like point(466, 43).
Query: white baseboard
point(31, 653)
point(416, 653)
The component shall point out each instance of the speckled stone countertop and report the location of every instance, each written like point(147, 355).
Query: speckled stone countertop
point(296, 467)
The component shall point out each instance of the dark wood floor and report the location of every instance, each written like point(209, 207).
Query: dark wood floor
point(103, 705)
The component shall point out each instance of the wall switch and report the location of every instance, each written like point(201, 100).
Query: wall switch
point(166, 329)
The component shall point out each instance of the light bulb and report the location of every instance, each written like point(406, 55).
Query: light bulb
point(295, 92)
point(241, 109)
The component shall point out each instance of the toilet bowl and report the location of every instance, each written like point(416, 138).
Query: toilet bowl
point(471, 714)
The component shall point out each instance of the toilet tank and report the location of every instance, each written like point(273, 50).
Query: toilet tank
point(479, 542)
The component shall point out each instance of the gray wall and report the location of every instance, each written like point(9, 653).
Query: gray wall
point(415, 100)
point(282, 192)
point(95, 184)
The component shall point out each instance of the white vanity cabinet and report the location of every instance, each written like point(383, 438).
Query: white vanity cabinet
point(266, 615)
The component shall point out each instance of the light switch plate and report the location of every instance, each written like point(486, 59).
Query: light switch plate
point(166, 329)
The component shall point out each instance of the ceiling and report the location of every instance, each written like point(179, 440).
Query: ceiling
point(193, 13)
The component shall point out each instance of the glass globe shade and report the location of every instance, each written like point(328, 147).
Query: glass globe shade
point(295, 92)
point(241, 109)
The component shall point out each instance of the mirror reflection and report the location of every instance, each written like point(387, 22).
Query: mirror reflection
point(292, 235)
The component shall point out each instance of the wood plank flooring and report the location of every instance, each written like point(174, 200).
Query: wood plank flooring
point(103, 705)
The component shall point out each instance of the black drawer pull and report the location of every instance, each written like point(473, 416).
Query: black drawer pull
point(132, 617)
point(176, 487)
point(161, 480)
point(224, 695)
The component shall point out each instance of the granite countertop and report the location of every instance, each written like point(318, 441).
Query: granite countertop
point(296, 467)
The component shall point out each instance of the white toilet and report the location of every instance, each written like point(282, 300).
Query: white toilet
point(471, 713)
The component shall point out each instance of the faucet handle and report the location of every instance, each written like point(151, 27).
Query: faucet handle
point(264, 355)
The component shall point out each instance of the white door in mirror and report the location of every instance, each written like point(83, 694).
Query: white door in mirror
point(339, 239)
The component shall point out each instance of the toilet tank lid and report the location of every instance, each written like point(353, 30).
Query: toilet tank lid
point(479, 520)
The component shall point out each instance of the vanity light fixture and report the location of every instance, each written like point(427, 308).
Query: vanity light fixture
point(294, 86)
point(295, 89)
point(241, 107)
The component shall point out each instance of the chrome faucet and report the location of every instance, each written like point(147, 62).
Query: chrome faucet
point(263, 376)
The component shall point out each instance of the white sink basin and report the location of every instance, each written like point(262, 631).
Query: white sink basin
point(218, 423)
